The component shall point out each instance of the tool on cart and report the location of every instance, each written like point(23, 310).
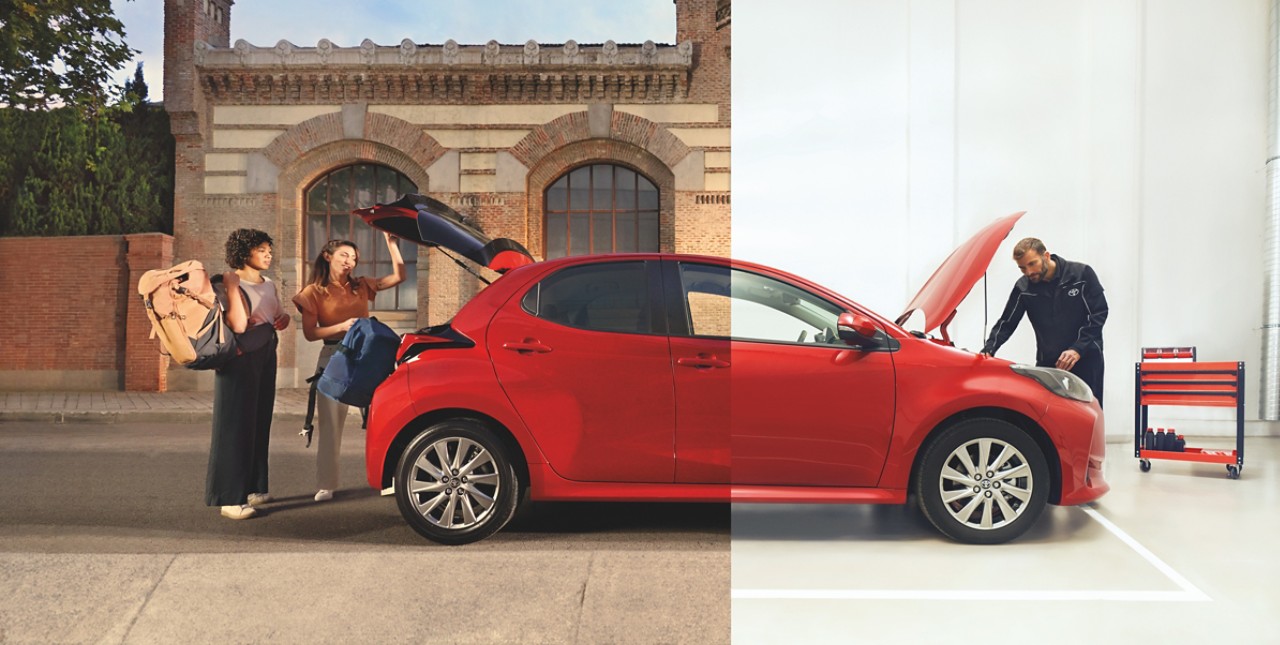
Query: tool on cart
point(1182, 381)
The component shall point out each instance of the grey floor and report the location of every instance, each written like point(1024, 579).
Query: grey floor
point(1177, 555)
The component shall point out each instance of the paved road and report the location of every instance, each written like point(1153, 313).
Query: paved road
point(104, 538)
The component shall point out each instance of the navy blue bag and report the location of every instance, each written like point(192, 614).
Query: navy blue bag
point(364, 359)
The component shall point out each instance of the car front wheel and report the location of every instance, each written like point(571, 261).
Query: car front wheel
point(455, 483)
point(983, 481)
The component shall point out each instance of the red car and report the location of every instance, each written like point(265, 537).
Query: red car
point(657, 377)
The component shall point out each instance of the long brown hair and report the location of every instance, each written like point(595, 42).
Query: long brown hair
point(320, 270)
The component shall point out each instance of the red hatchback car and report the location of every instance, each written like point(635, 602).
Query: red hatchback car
point(657, 377)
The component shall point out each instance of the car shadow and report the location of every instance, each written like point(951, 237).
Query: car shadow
point(622, 517)
point(895, 522)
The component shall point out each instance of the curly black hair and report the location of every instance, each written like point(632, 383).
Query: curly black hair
point(241, 242)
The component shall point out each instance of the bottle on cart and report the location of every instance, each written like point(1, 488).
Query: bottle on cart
point(1159, 439)
point(1149, 440)
point(1180, 444)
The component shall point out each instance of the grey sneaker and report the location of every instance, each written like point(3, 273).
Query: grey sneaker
point(258, 499)
point(240, 512)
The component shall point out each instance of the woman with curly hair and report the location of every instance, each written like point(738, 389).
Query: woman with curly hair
point(244, 391)
point(332, 300)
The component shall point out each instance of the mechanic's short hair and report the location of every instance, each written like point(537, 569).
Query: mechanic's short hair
point(1028, 244)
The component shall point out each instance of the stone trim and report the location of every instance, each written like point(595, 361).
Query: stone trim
point(285, 55)
point(299, 173)
point(624, 127)
point(449, 73)
point(461, 87)
point(330, 128)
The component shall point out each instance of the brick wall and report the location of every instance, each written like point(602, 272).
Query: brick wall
point(696, 21)
point(70, 327)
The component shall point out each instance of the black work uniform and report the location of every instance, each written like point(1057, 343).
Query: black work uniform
point(1066, 312)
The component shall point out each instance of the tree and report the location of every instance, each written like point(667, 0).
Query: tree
point(55, 52)
point(135, 91)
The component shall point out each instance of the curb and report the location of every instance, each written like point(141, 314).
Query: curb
point(129, 416)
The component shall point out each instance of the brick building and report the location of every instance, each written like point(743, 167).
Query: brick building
point(566, 147)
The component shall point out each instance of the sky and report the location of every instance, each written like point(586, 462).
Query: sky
point(386, 22)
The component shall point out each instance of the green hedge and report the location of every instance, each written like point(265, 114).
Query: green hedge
point(64, 173)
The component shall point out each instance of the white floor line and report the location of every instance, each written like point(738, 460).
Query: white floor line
point(963, 594)
point(1189, 592)
point(1147, 555)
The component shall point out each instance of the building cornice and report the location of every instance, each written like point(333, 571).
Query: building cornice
point(450, 72)
point(325, 54)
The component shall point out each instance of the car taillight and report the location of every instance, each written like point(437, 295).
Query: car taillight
point(436, 337)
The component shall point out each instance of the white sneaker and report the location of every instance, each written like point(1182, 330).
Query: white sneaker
point(324, 495)
point(239, 512)
point(258, 499)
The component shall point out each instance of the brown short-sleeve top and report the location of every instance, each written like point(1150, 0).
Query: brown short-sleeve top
point(336, 303)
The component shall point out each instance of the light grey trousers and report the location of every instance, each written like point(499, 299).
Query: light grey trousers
point(331, 417)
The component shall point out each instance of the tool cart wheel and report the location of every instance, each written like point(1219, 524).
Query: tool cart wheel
point(1144, 464)
point(1233, 472)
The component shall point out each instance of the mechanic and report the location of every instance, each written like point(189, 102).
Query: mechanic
point(1067, 308)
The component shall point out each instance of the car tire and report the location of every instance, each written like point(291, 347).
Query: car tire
point(988, 505)
point(470, 500)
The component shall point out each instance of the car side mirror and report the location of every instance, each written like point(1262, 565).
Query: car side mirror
point(856, 329)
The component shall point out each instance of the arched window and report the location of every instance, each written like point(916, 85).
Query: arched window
point(330, 201)
point(601, 208)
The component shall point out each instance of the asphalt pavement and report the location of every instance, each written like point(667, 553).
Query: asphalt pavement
point(105, 538)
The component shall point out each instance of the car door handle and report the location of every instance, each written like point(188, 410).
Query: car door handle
point(703, 361)
point(529, 346)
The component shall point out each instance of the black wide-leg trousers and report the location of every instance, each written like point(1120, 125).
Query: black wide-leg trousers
point(244, 397)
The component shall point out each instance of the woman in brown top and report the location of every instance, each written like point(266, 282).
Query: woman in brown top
point(332, 300)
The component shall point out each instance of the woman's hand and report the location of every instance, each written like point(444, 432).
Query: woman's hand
point(391, 239)
point(281, 321)
point(345, 325)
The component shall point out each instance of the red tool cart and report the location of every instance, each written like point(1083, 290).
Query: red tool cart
point(1185, 383)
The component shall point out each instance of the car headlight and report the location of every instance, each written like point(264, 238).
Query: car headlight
point(1060, 382)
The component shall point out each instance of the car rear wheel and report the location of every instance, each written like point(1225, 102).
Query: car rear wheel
point(455, 483)
point(983, 481)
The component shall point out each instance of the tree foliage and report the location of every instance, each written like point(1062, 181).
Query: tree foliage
point(61, 174)
point(59, 52)
point(72, 162)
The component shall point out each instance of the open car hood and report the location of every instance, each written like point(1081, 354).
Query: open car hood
point(430, 222)
point(949, 285)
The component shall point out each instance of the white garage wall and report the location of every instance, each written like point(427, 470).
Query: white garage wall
point(873, 136)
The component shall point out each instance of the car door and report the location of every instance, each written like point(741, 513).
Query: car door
point(766, 394)
point(584, 358)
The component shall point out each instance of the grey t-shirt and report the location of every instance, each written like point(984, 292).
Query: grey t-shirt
point(263, 300)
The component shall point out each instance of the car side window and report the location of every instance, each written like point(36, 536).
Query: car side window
point(611, 297)
point(724, 302)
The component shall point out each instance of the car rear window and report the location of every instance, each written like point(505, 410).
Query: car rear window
point(609, 297)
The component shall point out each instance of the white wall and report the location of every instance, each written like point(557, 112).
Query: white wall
point(872, 136)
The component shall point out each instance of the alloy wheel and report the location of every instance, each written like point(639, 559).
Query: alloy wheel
point(454, 483)
point(986, 484)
